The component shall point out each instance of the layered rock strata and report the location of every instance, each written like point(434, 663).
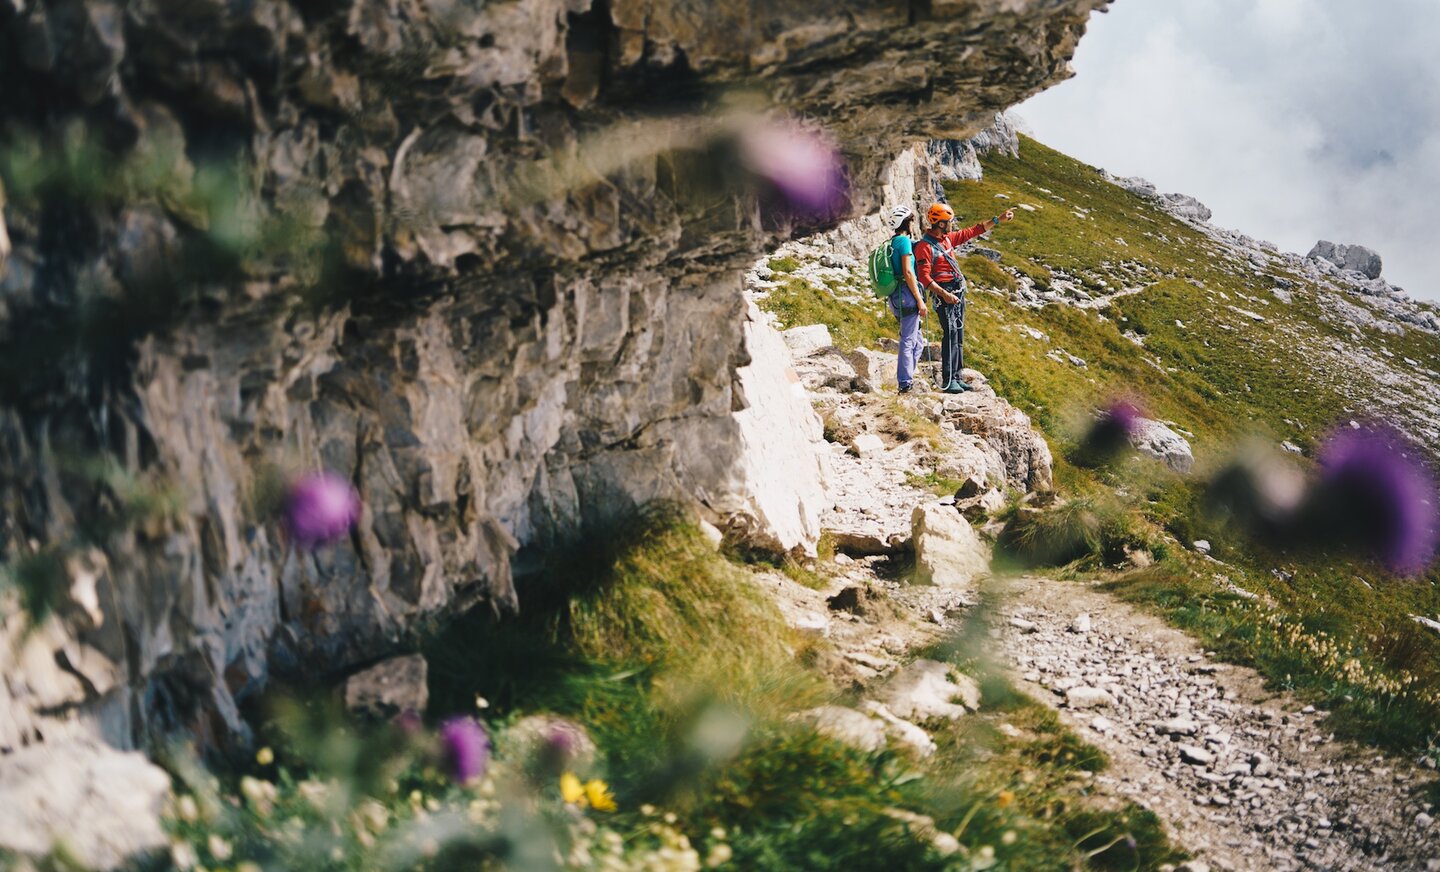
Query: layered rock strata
point(482, 259)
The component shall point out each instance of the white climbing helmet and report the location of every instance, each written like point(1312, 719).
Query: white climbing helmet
point(899, 215)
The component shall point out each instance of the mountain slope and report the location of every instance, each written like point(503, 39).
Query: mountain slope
point(1094, 293)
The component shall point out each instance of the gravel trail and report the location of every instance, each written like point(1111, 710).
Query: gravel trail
point(1247, 778)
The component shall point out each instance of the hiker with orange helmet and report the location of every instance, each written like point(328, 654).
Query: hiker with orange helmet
point(938, 272)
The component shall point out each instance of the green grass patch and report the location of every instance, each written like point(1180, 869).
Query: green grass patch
point(981, 270)
point(783, 264)
point(797, 303)
point(934, 482)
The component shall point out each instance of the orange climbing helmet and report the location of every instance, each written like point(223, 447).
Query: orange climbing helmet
point(939, 212)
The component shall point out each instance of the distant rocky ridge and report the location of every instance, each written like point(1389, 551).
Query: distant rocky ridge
point(1348, 269)
point(1353, 258)
point(1180, 205)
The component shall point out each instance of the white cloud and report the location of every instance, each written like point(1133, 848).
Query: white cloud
point(1293, 120)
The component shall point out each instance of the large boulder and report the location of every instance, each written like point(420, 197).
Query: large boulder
point(1154, 439)
point(845, 725)
point(809, 338)
point(877, 368)
point(829, 368)
point(1350, 257)
point(966, 457)
point(1187, 207)
point(102, 805)
point(947, 550)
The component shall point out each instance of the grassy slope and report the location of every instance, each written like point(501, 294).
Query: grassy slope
point(1219, 375)
point(1223, 377)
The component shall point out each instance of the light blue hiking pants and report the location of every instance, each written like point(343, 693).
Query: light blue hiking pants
point(912, 345)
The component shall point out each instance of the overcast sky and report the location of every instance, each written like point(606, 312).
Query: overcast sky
point(1293, 120)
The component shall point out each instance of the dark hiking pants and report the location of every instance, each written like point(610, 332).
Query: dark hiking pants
point(952, 336)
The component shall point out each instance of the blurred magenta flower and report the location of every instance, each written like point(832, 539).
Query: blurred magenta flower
point(550, 745)
point(465, 748)
point(802, 165)
point(320, 508)
point(1376, 492)
point(1109, 435)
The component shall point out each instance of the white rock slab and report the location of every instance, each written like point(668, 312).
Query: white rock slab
point(947, 550)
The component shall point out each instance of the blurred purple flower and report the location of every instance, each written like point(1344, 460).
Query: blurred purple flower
point(320, 508)
point(802, 164)
point(1109, 435)
point(1123, 415)
point(550, 745)
point(1374, 490)
point(564, 742)
point(465, 747)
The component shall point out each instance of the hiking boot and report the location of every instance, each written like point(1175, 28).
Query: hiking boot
point(905, 389)
point(956, 386)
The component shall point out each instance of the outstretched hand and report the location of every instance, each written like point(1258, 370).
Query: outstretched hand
point(1008, 215)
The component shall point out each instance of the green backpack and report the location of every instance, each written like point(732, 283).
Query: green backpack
point(882, 269)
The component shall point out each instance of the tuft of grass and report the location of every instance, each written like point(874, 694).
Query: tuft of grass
point(783, 264)
point(933, 482)
point(903, 421)
point(1056, 537)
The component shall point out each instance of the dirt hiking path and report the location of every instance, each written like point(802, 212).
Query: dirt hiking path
point(1247, 778)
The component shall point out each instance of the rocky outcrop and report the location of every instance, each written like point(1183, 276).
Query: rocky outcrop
point(1357, 258)
point(775, 497)
point(78, 794)
point(959, 159)
point(1182, 206)
point(1008, 430)
point(483, 262)
point(1155, 440)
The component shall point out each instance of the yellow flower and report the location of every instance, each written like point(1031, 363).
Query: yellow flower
point(265, 756)
point(599, 795)
point(1005, 798)
point(571, 790)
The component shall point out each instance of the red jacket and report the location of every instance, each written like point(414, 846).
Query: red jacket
point(930, 264)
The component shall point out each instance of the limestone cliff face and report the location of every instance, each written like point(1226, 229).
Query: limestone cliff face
point(520, 307)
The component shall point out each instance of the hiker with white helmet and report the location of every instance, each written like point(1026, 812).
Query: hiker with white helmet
point(939, 273)
point(906, 302)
